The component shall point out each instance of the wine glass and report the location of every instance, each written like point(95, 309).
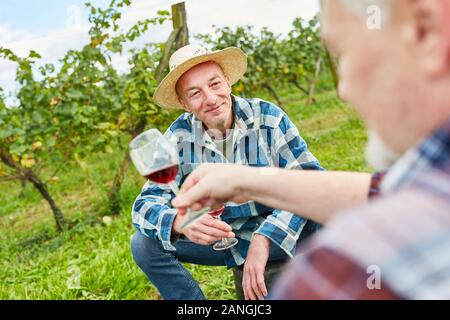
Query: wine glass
point(156, 159)
point(225, 243)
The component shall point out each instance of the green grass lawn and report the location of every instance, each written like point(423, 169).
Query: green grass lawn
point(38, 263)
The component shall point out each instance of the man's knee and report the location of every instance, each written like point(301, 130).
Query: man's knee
point(142, 247)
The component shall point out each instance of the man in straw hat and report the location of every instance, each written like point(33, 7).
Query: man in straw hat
point(397, 75)
point(220, 128)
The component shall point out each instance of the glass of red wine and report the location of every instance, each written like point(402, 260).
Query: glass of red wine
point(225, 243)
point(156, 159)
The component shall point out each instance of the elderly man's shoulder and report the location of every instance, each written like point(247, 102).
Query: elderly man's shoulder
point(393, 224)
point(426, 199)
point(404, 234)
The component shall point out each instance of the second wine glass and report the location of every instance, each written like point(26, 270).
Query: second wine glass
point(225, 243)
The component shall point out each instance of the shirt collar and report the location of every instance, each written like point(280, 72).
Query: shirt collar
point(243, 119)
point(432, 152)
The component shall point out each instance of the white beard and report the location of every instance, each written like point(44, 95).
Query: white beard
point(378, 154)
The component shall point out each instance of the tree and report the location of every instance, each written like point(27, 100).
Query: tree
point(304, 53)
point(27, 132)
point(70, 113)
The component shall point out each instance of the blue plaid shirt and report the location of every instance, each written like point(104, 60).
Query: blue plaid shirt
point(264, 136)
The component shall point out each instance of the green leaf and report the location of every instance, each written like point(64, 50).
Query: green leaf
point(18, 149)
point(37, 117)
point(103, 126)
point(34, 54)
point(5, 133)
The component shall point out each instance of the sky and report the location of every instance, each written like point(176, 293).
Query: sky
point(52, 27)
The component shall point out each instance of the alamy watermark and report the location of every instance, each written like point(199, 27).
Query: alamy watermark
point(374, 20)
point(73, 17)
point(74, 277)
point(374, 280)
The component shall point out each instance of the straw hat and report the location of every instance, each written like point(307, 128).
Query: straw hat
point(232, 60)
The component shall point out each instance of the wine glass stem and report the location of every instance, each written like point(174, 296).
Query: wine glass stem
point(174, 187)
point(218, 218)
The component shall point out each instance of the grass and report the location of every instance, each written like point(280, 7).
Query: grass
point(38, 263)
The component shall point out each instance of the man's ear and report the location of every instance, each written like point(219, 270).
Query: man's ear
point(431, 30)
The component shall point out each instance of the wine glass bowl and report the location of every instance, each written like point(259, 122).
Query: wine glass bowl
point(217, 212)
point(164, 175)
point(151, 153)
point(156, 158)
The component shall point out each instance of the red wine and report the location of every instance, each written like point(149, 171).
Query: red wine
point(164, 175)
point(216, 213)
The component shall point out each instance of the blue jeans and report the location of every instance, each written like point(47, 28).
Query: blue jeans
point(165, 270)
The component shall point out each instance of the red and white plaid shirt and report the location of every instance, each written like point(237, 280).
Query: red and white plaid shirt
point(395, 247)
